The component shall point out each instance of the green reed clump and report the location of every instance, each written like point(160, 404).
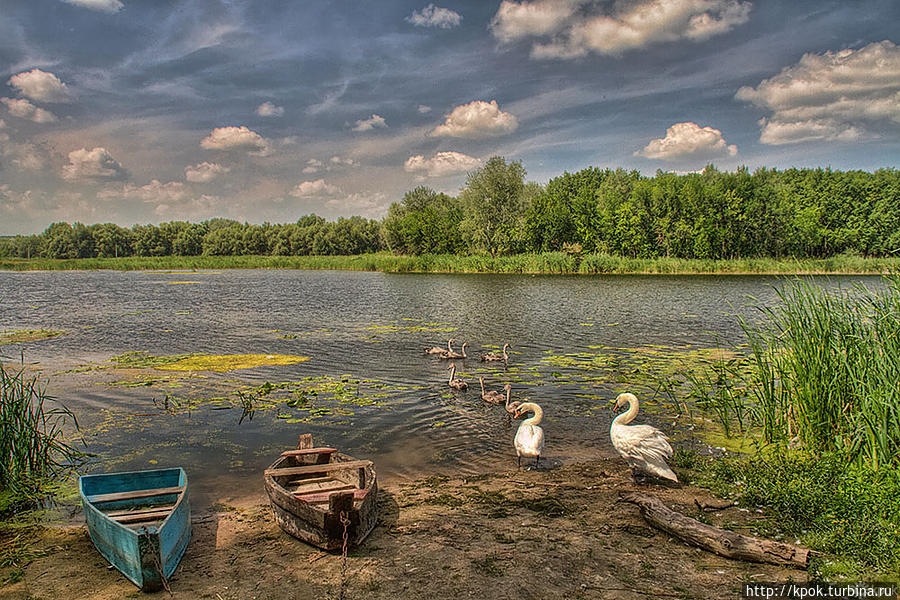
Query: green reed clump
point(825, 371)
point(33, 450)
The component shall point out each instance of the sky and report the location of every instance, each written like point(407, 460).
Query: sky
point(145, 111)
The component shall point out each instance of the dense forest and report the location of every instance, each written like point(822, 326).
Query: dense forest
point(802, 213)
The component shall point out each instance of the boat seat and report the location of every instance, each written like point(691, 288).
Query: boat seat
point(140, 515)
point(306, 451)
point(134, 495)
point(326, 496)
point(323, 468)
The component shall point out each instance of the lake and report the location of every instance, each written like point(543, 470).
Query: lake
point(367, 387)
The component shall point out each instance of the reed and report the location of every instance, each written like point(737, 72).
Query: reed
point(33, 450)
point(549, 263)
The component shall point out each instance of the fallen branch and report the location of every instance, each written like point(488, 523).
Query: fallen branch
point(703, 506)
point(719, 541)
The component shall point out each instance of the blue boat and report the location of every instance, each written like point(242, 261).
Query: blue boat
point(139, 521)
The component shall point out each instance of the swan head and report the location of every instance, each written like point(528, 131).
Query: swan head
point(624, 398)
point(507, 387)
point(525, 408)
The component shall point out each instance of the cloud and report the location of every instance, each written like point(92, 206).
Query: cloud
point(40, 86)
point(340, 161)
point(96, 164)
point(575, 28)
point(477, 119)
point(370, 123)
point(435, 16)
point(107, 6)
point(19, 107)
point(846, 95)
point(314, 189)
point(267, 109)
point(312, 166)
point(365, 204)
point(685, 140)
point(423, 109)
point(441, 164)
point(204, 172)
point(236, 138)
point(154, 192)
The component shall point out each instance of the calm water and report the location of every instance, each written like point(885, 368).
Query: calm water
point(361, 325)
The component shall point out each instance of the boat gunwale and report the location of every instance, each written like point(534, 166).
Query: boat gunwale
point(321, 508)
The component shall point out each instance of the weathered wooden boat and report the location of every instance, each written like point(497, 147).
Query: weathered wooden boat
point(140, 521)
point(312, 488)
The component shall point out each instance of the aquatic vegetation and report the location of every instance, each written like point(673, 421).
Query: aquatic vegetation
point(34, 450)
point(181, 282)
point(424, 328)
point(221, 363)
point(20, 336)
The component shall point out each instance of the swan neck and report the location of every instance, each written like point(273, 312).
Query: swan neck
point(481, 379)
point(538, 414)
point(628, 416)
point(452, 371)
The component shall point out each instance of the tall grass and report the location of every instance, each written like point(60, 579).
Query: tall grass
point(825, 371)
point(531, 263)
point(33, 447)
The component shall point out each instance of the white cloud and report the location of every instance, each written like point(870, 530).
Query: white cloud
point(339, 161)
point(844, 95)
point(96, 164)
point(370, 123)
point(477, 119)
point(19, 107)
point(154, 192)
point(365, 204)
point(423, 109)
point(40, 85)
point(435, 16)
point(441, 164)
point(312, 166)
point(688, 140)
point(267, 109)
point(314, 189)
point(236, 138)
point(107, 6)
point(204, 172)
point(574, 28)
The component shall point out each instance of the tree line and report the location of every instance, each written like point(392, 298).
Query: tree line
point(802, 213)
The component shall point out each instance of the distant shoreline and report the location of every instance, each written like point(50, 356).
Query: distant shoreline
point(548, 263)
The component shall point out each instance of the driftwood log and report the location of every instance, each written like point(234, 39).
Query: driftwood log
point(719, 541)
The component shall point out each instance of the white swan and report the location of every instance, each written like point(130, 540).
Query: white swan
point(439, 350)
point(529, 440)
point(643, 447)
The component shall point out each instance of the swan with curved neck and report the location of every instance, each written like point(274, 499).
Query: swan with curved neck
point(529, 440)
point(454, 382)
point(452, 354)
point(643, 447)
point(493, 396)
point(510, 406)
point(495, 355)
point(439, 350)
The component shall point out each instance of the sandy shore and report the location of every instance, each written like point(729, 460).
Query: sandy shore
point(557, 533)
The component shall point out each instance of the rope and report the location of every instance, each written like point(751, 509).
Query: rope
point(345, 521)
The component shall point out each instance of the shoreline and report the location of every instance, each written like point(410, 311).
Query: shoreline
point(548, 263)
point(553, 532)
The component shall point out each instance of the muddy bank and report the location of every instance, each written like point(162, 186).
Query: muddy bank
point(558, 533)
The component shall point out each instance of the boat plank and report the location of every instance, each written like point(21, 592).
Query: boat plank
point(139, 516)
point(119, 513)
point(324, 468)
point(305, 451)
point(134, 495)
point(337, 485)
point(326, 497)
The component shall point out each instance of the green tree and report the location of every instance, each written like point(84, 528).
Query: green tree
point(494, 205)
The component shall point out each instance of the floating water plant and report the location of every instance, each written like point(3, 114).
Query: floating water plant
point(20, 336)
point(221, 363)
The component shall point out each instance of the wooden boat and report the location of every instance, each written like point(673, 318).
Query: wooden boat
point(310, 488)
point(139, 521)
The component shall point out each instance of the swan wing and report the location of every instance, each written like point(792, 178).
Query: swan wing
point(644, 447)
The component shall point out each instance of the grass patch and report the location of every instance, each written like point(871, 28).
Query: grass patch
point(491, 565)
point(222, 363)
point(850, 513)
point(20, 336)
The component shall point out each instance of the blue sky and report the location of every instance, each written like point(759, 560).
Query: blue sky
point(143, 111)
